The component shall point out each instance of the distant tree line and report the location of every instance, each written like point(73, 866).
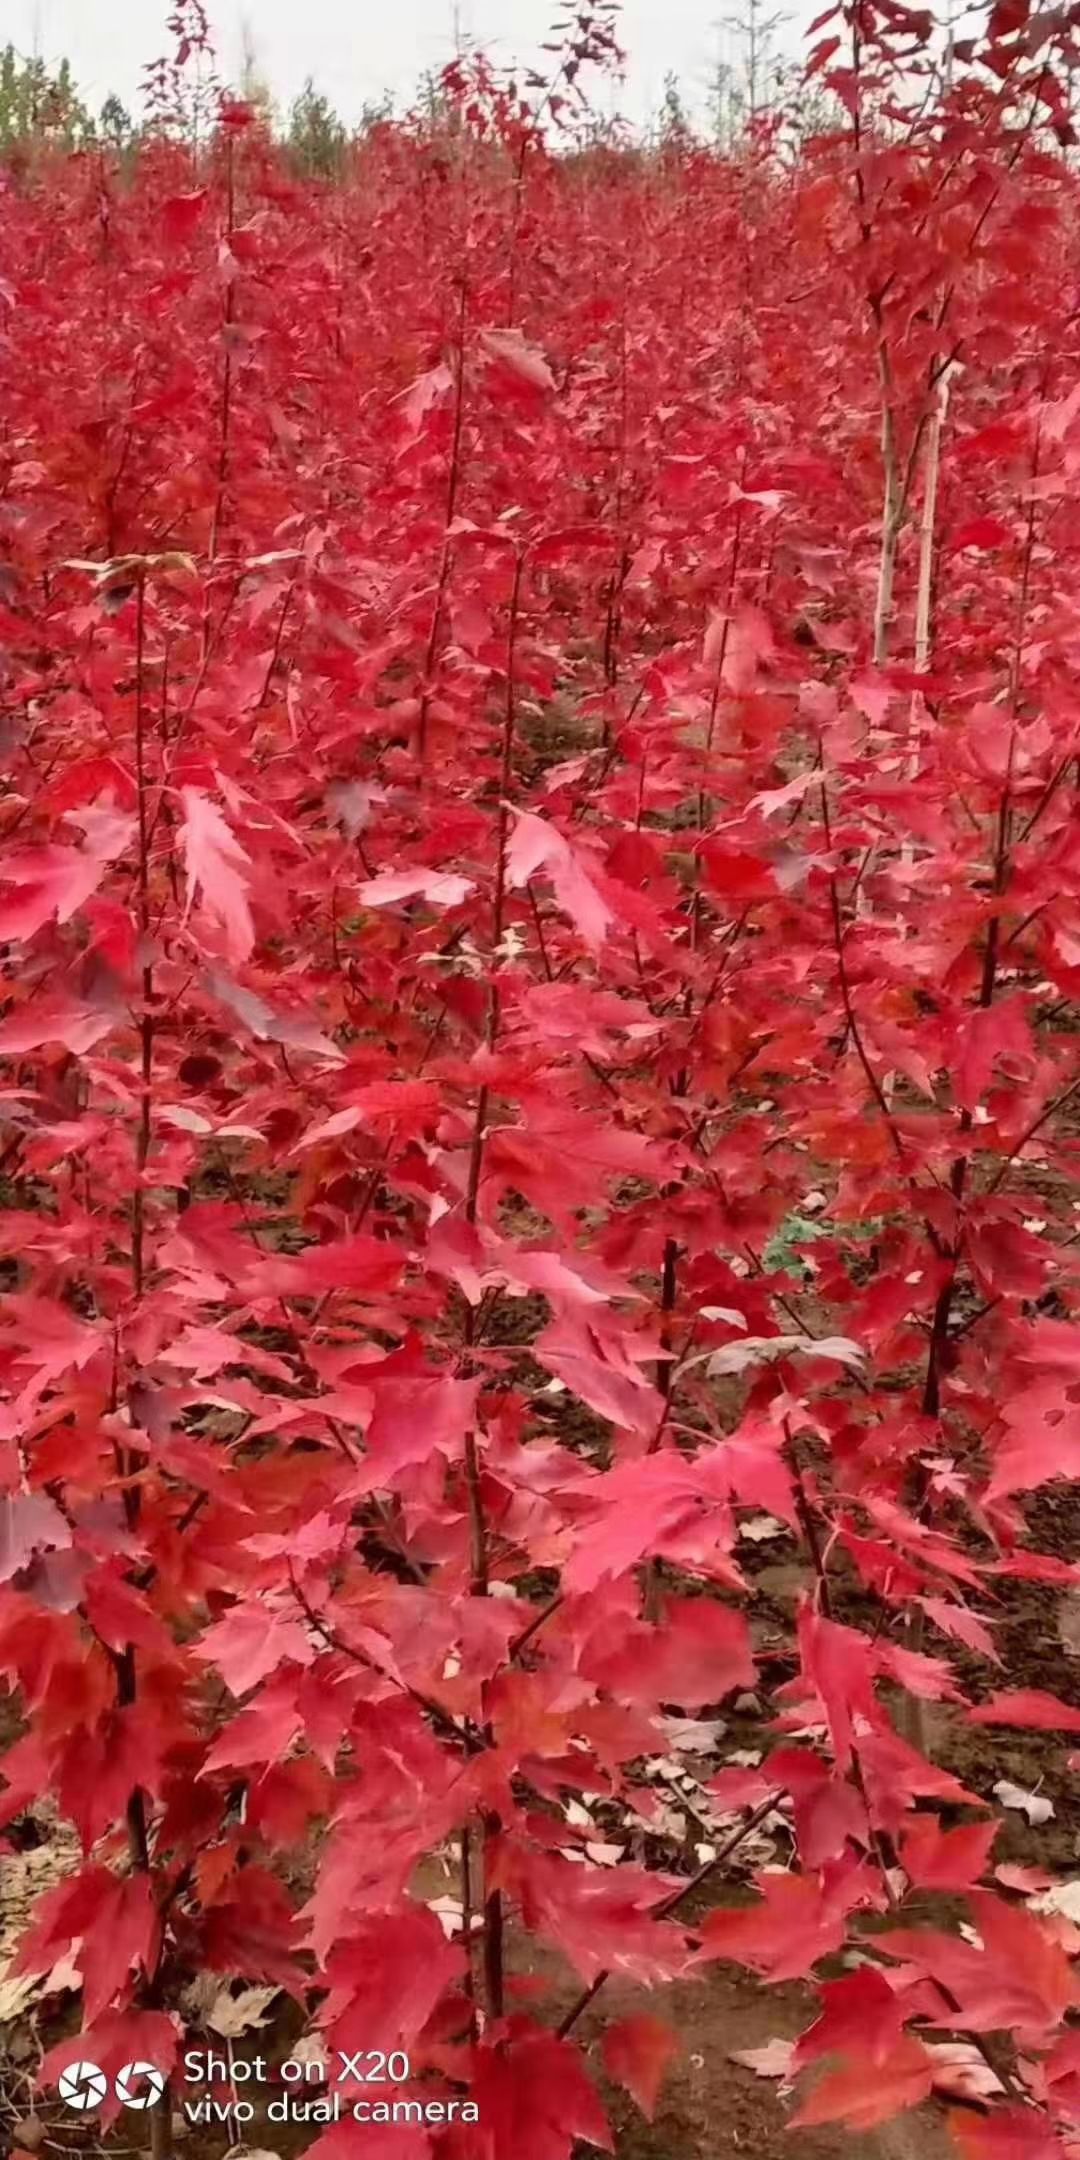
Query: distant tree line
point(41, 104)
point(41, 107)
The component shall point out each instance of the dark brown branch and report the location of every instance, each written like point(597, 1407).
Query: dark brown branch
point(671, 1904)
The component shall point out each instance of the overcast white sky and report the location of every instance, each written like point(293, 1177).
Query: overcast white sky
point(355, 49)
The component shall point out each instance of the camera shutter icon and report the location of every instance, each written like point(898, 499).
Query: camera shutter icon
point(139, 2085)
point(82, 2085)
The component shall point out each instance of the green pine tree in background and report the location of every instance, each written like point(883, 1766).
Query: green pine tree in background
point(40, 106)
point(115, 127)
point(316, 138)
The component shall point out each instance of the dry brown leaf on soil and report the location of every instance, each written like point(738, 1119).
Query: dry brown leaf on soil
point(311, 2049)
point(24, 1878)
point(766, 1349)
point(1063, 1898)
point(231, 2015)
point(757, 1528)
point(962, 2072)
point(16, 1995)
point(774, 2060)
point(692, 1736)
point(1032, 1804)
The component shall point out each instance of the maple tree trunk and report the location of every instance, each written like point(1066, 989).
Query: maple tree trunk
point(160, 2133)
point(493, 1956)
point(669, 1267)
point(892, 506)
point(937, 1354)
point(923, 645)
point(161, 2127)
point(146, 1020)
point(453, 485)
point(225, 407)
point(465, 1880)
point(517, 202)
point(892, 514)
point(912, 1721)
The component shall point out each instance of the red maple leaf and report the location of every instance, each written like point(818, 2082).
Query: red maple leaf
point(534, 2097)
point(637, 2052)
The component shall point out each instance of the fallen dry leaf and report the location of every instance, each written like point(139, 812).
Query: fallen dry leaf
point(774, 2060)
point(1062, 1898)
point(1033, 1805)
point(961, 2071)
point(766, 1349)
point(230, 2015)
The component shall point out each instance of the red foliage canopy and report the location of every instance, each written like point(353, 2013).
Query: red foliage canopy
point(538, 1026)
